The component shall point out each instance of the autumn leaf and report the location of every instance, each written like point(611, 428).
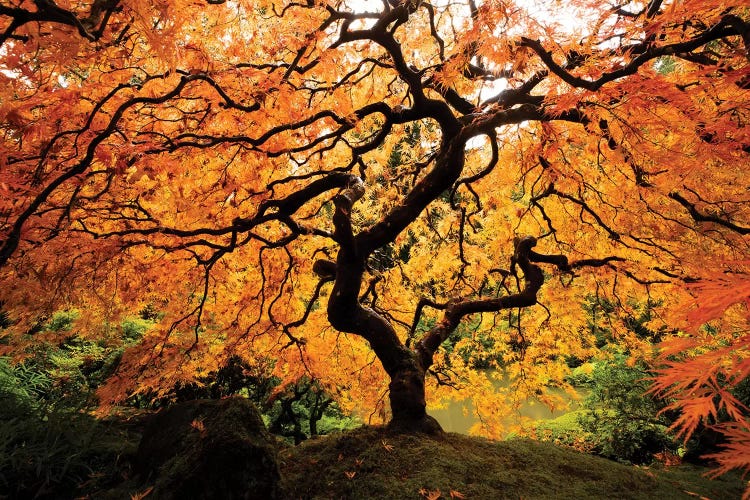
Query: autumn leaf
point(198, 425)
point(430, 494)
point(693, 494)
point(143, 494)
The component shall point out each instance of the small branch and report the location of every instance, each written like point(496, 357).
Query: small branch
point(703, 217)
point(310, 304)
point(423, 302)
point(728, 26)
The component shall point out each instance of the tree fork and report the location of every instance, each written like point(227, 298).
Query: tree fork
point(406, 367)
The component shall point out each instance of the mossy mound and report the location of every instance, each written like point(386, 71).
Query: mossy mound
point(373, 463)
point(209, 449)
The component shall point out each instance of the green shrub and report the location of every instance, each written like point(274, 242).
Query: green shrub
point(566, 430)
point(47, 450)
point(133, 328)
point(581, 376)
point(49, 446)
point(622, 417)
point(62, 321)
point(20, 390)
point(617, 420)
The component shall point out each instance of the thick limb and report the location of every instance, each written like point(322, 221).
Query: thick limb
point(346, 314)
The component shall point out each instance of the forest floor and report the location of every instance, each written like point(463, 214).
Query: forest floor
point(369, 463)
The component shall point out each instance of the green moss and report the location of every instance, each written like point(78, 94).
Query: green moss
point(371, 463)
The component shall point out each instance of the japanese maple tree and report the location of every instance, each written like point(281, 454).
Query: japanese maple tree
point(270, 175)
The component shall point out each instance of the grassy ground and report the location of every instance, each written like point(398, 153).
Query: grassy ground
point(368, 463)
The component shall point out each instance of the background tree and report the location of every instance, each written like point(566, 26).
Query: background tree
point(241, 164)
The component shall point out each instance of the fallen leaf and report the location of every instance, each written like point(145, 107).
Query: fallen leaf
point(142, 494)
point(429, 494)
point(701, 497)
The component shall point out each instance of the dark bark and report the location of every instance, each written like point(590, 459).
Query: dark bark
point(316, 412)
point(407, 367)
point(347, 314)
point(407, 397)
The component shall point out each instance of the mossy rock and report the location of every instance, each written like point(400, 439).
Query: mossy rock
point(209, 449)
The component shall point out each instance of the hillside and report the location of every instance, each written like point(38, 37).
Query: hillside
point(368, 463)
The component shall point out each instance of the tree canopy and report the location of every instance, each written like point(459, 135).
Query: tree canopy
point(377, 192)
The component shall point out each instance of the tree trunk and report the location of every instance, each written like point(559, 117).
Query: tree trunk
point(407, 395)
point(347, 314)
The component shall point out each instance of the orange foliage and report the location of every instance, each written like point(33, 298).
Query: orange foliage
point(329, 187)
